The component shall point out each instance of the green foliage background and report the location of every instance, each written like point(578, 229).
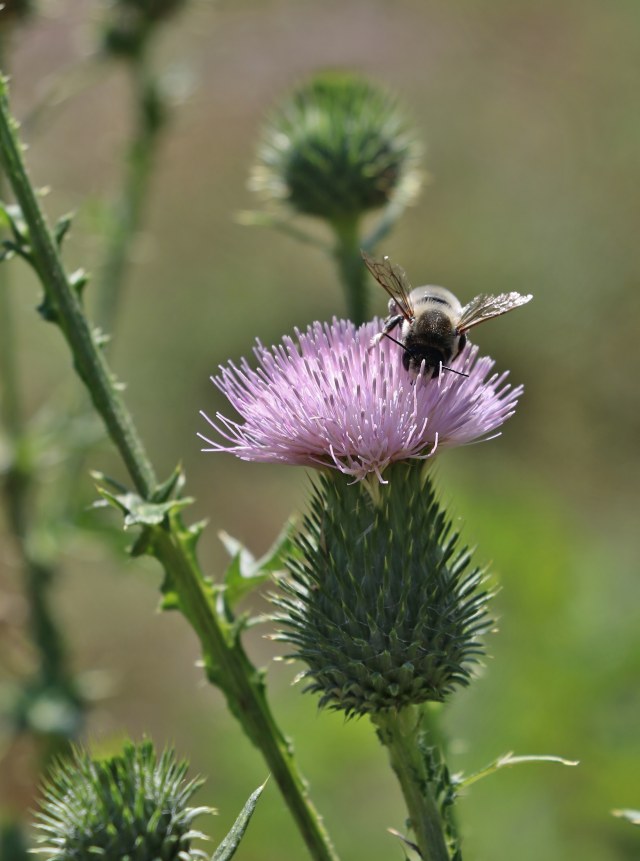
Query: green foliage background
point(530, 115)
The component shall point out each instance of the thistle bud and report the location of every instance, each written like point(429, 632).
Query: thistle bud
point(338, 147)
point(130, 806)
point(381, 604)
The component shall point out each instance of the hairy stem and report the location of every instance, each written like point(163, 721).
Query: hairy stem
point(227, 664)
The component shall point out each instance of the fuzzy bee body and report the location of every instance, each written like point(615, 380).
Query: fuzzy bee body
point(433, 323)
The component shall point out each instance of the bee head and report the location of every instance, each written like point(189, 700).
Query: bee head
point(429, 359)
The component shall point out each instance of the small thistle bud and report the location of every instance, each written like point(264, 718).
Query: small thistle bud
point(130, 807)
point(381, 604)
point(338, 147)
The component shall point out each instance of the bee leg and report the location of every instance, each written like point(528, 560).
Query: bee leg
point(389, 325)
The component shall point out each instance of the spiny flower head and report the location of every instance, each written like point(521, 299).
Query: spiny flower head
point(380, 603)
point(329, 399)
point(336, 148)
point(130, 807)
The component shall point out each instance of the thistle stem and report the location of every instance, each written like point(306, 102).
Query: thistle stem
point(227, 664)
point(123, 226)
point(127, 216)
point(402, 733)
point(353, 272)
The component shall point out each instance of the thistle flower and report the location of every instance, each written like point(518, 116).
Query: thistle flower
point(381, 604)
point(338, 147)
point(330, 400)
point(131, 807)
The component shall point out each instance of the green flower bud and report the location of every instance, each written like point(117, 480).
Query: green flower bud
point(338, 147)
point(130, 807)
point(381, 604)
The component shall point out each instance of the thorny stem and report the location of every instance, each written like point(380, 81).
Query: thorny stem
point(123, 224)
point(399, 732)
point(88, 359)
point(227, 663)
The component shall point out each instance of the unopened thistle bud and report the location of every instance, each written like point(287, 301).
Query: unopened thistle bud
point(381, 604)
point(338, 147)
point(130, 807)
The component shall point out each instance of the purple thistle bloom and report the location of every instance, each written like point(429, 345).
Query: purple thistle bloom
point(332, 400)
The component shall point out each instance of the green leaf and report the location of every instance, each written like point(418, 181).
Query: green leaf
point(632, 816)
point(227, 848)
point(78, 280)
point(404, 840)
point(62, 227)
point(506, 760)
point(102, 478)
point(11, 217)
point(139, 512)
point(245, 573)
point(171, 487)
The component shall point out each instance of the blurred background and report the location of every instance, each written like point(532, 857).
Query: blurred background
point(529, 112)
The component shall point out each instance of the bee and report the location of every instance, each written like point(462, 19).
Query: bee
point(433, 323)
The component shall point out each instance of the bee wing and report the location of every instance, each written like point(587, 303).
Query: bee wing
point(485, 307)
point(394, 280)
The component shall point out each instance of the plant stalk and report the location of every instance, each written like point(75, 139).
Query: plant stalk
point(227, 664)
point(351, 268)
point(400, 732)
point(127, 216)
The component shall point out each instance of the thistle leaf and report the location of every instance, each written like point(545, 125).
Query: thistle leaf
point(139, 512)
point(632, 816)
point(226, 850)
point(507, 760)
point(245, 573)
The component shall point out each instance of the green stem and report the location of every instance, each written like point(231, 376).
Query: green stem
point(124, 224)
point(353, 272)
point(228, 667)
point(402, 733)
point(226, 661)
point(11, 407)
point(127, 216)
